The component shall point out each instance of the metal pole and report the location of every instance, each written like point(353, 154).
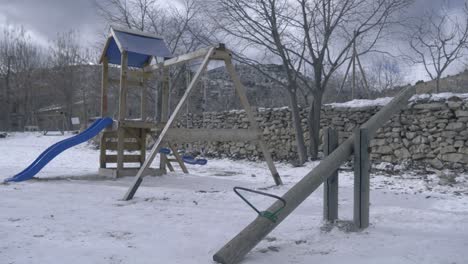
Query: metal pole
point(330, 186)
point(361, 178)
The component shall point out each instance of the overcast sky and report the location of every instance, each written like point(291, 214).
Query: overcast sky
point(43, 19)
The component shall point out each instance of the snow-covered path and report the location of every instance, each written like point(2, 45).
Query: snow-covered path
point(178, 218)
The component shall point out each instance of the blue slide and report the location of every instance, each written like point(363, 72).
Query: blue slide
point(50, 153)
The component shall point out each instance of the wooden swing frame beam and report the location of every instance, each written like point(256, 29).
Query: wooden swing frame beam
point(252, 134)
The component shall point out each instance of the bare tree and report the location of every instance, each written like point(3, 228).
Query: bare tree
point(310, 38)
point(329, 29)
point(264, 27)
point(20, 59)
point(65, 58)
point(180, 27)
point(438, 40)
point(385, 73)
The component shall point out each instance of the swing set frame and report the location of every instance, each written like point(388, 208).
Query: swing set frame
point(186, 135)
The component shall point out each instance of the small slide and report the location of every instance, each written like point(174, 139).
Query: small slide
point(54, 150)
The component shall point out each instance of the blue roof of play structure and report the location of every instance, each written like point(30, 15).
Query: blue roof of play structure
point(140, 48)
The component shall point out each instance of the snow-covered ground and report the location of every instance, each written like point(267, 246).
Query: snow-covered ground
point(73, 216)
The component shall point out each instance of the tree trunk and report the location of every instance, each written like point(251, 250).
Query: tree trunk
point(313, 123)
point(438, 84)
point(299, 133)
point(7, 97)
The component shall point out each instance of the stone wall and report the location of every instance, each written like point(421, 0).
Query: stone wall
point(431, 131)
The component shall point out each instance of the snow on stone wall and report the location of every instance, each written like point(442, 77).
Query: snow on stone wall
point(432, 130)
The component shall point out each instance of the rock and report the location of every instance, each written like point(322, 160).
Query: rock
point(410, 135)
point(455, 126)
point(383, 150)
point(447, 149)
point(436, 163)
point(430, 106)
point(461, 113)
point(402, 153)
point(452, 157)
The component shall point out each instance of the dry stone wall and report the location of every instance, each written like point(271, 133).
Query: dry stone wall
point(430, 132)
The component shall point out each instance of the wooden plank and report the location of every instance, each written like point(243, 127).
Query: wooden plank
point(178, 158)
point(126, 158)
point(131, 83)
point(157, 145)
point(330, 190)
point(361, 178)
point(138, 74)
point(251, 235)
point(112, 135)
point(240, 89)
point(137, 124)
point(104, 86)
point(185, 135)
point(112, 172)
point(130, 146)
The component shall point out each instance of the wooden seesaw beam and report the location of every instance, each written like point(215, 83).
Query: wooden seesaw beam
point(235, 250)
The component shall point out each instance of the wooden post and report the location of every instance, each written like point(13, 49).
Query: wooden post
point(330, 190)
point(142, 146)
point(144, 96)
point(157, 145)
point(250, 236)
point(102, 150)
point(104, 86)
point(361, 178)
point(122, 112)
point(240, 89)
point(164, 111)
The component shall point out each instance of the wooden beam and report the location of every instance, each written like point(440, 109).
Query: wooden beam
point(250, 236)
point(185, 135)
point(240, 89)
point(178, 158)
point(179, 59)
point(361, 178)
point(330, 186)
point(157, 145)
point(122, 110)
point(220, 53)
point(164, 110)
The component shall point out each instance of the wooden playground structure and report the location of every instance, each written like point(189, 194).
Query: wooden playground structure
point(133, 51)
